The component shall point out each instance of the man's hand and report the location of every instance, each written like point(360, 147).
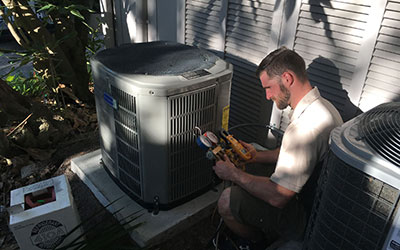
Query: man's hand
point(259, 186)
point(251, 149)
point(225, 169)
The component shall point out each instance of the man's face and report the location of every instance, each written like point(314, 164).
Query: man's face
point(275, 90)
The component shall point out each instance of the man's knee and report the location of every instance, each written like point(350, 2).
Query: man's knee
point(224, 203)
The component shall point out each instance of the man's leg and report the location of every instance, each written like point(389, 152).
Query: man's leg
point(254, 219)
point(240, 229)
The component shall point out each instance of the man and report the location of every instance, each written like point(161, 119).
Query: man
point(259, 206)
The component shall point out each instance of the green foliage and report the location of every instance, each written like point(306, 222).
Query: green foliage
point(95, 42)
point(64, 8)
point(33, 85)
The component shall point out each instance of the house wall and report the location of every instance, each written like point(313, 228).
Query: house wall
point(351, 47)
point(241, 33)
point(165, 20)
point(124, 21)
point(132, 21)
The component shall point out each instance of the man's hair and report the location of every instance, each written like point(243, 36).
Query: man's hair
point(281, 60)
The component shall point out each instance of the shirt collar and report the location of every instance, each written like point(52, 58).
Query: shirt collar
point(309, 98)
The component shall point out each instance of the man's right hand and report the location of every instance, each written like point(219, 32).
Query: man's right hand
point(251, 149)
point(226, 170)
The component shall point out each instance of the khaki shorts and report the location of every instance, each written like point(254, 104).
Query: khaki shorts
point(288, 222)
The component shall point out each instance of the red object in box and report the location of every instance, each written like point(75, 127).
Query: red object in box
point(35, 201)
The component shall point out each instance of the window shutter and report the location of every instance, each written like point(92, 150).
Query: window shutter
point(330, 39)
point(383, 79)
point(204, 25)
point(248, 30)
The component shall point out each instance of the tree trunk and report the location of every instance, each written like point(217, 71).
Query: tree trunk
point(74, 50)
point(13, 106)
point(40, 130)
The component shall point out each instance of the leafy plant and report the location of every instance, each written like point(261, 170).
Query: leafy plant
point(56, 38)
point(95, 43)
point(33, 85)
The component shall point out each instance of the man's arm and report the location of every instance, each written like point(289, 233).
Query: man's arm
point(259, 186)
point(267, 156)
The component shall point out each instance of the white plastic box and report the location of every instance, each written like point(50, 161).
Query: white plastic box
point(46, 225)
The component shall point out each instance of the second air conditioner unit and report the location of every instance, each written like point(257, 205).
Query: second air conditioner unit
point(357, 203)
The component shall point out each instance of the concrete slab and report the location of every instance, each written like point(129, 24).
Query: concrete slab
point(156, 228)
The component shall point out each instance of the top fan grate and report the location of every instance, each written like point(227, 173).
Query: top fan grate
point(380, 129)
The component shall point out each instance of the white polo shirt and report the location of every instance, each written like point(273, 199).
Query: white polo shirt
point(305, 141)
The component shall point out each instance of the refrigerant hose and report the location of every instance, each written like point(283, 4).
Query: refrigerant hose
point(278, 133)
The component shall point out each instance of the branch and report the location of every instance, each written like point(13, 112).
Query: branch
point(11, 28)
point(15, 29)
point(19, 125)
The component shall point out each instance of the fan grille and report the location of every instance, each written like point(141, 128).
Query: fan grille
point(380, 128)
point(352, 210)
point(189, 169)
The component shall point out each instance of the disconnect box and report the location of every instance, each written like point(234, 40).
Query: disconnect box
point(42, 214)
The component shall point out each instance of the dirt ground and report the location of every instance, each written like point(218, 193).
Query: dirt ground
point(195, 238)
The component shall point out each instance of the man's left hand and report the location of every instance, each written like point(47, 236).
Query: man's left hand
point(225, 169)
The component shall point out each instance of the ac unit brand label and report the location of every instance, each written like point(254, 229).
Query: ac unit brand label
point(394, 245)
point(110, 100)
point(195, 74)
point(48, 234)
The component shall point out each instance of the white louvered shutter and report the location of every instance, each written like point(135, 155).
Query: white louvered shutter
point(204, 26)
point(329, 38)
point(248, 30)
point(383, 78)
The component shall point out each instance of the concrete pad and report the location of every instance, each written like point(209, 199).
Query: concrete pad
point(281, 244)
point(156, 228)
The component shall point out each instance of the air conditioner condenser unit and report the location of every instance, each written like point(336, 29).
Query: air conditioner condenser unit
point(357, 202)
point(149, 99)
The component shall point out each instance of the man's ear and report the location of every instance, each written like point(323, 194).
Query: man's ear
point(288, 78)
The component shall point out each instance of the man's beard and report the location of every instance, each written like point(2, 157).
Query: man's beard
point(283, 99)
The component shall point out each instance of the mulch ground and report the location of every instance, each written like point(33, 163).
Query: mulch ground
point(195, 238)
